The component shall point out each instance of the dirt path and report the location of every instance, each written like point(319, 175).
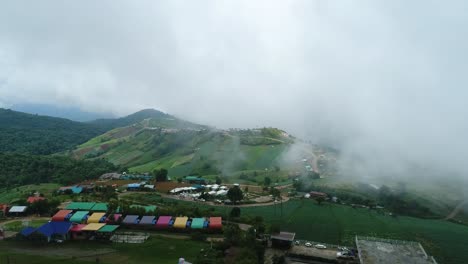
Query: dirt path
point(456, 210)
point(28, 218)
point(285, 199)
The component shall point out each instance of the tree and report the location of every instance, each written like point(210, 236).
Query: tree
point(267, 181)
point(160, 175)
point(218, 180)
point(232, 234)
point(235, 212)
point(319, 200)
point(235, 194)
point(275, 192)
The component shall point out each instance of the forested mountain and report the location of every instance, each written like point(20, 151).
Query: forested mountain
point(21, 169)
point(34, 134)
point(43, 135)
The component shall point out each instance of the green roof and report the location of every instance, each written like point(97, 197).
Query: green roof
point(148, 208)
point(79, 216)
point(194, 178)
point(100, 207)
point(108, 228)
point(80, 206)
point(197, 223)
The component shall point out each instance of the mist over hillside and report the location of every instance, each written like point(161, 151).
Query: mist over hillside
point(387, 93)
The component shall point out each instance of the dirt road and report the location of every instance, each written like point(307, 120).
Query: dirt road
point(456, 210)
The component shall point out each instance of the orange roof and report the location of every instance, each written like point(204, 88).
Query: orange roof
point(60, 215)
point(33, 199)
point(216, 222)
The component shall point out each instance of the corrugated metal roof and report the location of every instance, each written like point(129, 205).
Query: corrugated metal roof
point(79, 216)
point(93, 227)
point(80, 206)
point(147, 220)
point(100, 207)
point(95, 217)
point(18, 209)
point(52, 228)
point(130, 219)
point(61, 215)
point(108, 228)
point(197, 223)
point(180, 222)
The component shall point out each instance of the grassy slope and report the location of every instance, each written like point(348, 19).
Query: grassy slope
point(143, 150)
point(7, 196)
point(337, 224)
point(155, 250)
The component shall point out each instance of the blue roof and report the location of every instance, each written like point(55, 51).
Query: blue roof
point(77, 189)
point(27, 231)
point(133, 185)
point(51, 228)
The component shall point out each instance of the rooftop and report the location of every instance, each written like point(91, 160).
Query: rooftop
point(286, 236)
point(382, 251)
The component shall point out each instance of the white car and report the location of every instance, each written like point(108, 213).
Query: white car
point(297, 242)
point(344, 255)
point(320, 246)
point(308, 244)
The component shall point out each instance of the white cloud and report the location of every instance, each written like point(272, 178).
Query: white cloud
point(377, 77)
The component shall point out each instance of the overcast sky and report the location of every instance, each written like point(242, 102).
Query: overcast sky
point(385, 78)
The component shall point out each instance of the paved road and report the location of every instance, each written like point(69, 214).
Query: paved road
point(456, 210)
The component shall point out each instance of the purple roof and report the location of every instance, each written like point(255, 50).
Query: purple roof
point(163, 221)
point(147, 220)
point(131, 219)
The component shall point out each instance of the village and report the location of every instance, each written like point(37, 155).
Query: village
point(108, 220)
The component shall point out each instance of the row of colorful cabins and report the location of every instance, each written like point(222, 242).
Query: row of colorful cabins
point(161, 222)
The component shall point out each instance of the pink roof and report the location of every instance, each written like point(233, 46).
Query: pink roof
point(77, 228)
point(163, 221)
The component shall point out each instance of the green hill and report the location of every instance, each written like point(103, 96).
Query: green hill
point(34, 134)
point(185, 148)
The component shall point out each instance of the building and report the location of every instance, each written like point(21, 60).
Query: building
point(374, 250)
point(195, 180)
point(33, 199)
point(317, 195)
point(17, 210)
point(282, 239)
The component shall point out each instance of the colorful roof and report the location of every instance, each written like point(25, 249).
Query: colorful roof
point(131, 219)
point(27, 231)
point(180, 222)
point(163, 221)
point(52, 228)
point(108, 228)
point(79, 216)
point(18, 209)
point(80, 206)
point(77, 228)
point(216, 222)
point(100, 207)
point(147, 220)
point(33, 199)
point(61, 215)
point(197, 223)
point(93, 227)
point(95, 218)
point(116, 217)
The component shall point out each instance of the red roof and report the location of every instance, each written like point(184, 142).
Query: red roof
point(216, 223)
point(33, 199)
point(77, 228)
point(61, 215)
point(318, 194)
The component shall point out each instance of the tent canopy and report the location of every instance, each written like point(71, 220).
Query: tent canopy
point(79, 216)
point(80, 206)
point(131, 219)
point(61, 215)
point(216, 222)
point(180, 222)
point(93, 227)
point(52, 228)
point(100, 207)
point(197, 223)
point(147, 220)
point(108, 228)
point(95, 218)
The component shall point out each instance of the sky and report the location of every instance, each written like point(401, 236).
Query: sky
point(382, 81)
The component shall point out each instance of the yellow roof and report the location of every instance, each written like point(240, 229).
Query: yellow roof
point(180, 222)
point(93, 227)
point(94, 218)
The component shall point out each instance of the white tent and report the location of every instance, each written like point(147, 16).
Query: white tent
point(221, 192)
point(17, 209)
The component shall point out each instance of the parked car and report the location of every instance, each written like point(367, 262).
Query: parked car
point(344, 255)
point(297, 242)
point(308, 244)
point(320, 246)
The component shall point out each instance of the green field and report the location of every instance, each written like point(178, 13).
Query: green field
point(18, 225)
point(161, 250)
point(7, 196)
point(339, 224)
